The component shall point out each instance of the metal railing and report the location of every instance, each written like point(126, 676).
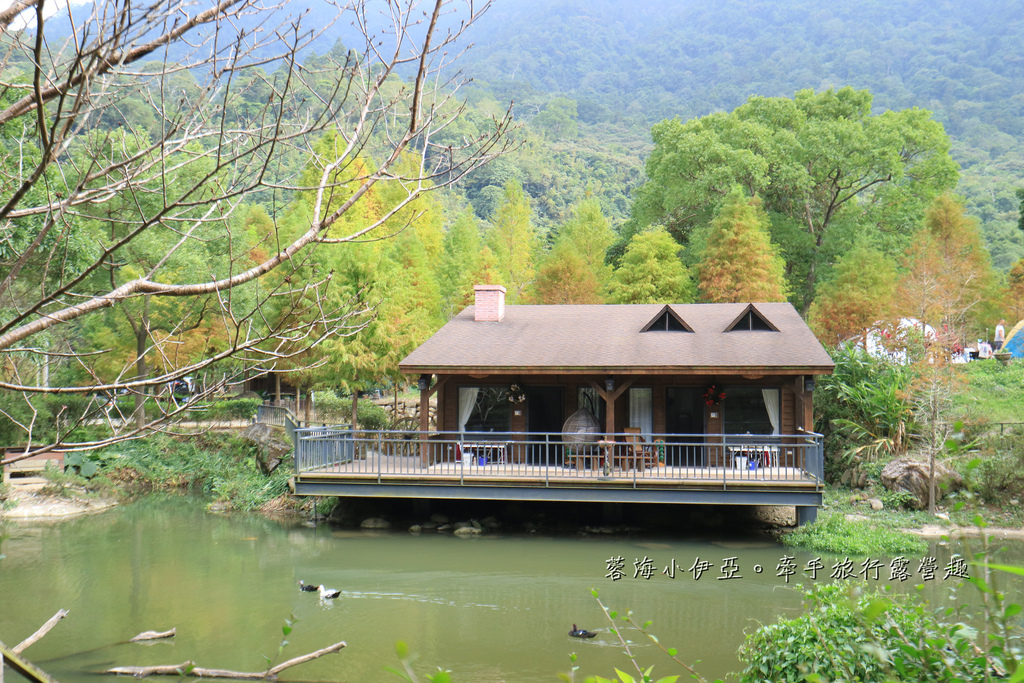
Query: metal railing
point(547, 459)
point(272, 415)
point(323, 448)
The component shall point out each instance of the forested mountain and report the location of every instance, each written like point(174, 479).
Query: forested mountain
point(237, 189)
point(629, 65)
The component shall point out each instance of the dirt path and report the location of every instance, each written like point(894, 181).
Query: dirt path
point(934, 531)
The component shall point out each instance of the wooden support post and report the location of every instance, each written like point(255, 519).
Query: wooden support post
point(805, 409)
point(424, 385)
point(609, 400)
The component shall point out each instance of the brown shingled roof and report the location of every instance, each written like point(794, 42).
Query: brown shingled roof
point(608, 338)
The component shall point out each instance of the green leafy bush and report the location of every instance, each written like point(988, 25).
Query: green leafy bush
point(233, 409)
point(898, 500)
point(372, 416)
point(834, 533)
point(849, 633)
point(338, 409)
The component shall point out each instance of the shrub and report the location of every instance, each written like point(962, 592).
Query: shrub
point(898, 500)
point(858, 635)
point(233, 409)
point(1000, 471)
point(372, 416)
point(330, 405)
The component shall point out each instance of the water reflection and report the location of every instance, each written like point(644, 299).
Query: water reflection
point(495, 608)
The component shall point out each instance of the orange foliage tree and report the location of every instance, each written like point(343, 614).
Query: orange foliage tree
point(740, 262)
point(949, 277)
point(857, 298)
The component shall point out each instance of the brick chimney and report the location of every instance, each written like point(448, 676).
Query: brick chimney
point(490, 303)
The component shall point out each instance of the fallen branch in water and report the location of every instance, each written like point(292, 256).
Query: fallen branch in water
point(153, 635)
point(43, 630)
point(190, 669)
point(26, 668)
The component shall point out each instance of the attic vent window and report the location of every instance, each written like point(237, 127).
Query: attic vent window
point(667, 321)
point(751, 321)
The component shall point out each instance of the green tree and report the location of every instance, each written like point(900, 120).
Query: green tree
point(459, 263)
point(823, 160)
point(514, 241)
point(740, 263)
point(651, 272)
point(558, 118)
point(590, 234)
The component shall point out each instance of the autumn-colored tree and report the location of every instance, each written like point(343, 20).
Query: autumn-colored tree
point(859, 295)
point(651, 272)
point(1013, 297)
point(513, 239)
point(949, 275)
point(565, 278)
point(740, 262)
point(487, 273)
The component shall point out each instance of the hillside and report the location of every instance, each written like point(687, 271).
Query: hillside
point(634, 64)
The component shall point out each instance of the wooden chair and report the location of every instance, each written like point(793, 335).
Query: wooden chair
point(638, 453)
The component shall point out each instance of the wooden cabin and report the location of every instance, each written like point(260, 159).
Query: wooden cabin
point(671, 371)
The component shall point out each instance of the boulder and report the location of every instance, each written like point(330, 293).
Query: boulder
point(776, 515)
point(271, 447)
point(904, 474)
point(467, 531)
point(876, 504)
point(375, 523)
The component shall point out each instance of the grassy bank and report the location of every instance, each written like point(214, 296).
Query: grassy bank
point(220, 466)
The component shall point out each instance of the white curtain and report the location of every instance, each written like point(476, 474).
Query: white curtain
point(467, 400)
point(771, 404)
point(641, 411)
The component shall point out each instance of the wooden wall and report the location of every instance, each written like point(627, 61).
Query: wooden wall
point(448, 399)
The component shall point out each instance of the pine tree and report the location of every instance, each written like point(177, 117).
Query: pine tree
point(514, 241)
point(860, 295)
point(565, 278)
point(740, 263)
point(949, 281)
point(651, 272)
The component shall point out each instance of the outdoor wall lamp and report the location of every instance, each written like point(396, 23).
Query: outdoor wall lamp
point(808, 385)
point(609, 385)
point(424, 382)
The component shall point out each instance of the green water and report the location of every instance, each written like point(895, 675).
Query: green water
point(495, 608)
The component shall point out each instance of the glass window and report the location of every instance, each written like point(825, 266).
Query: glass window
point(746, 411)
point(484, 409)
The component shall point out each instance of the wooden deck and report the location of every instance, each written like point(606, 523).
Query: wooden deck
point(333, 462)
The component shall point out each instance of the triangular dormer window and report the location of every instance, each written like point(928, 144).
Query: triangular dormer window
point(751, 320)
point(667, 320)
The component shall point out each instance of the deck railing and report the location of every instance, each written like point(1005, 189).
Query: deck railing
point(474, 456)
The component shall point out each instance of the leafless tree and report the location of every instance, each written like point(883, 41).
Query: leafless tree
point(130, 145)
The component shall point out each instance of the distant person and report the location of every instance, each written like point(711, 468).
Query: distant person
point(1000, 335)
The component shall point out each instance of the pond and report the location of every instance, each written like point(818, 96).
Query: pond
point(493, 608)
